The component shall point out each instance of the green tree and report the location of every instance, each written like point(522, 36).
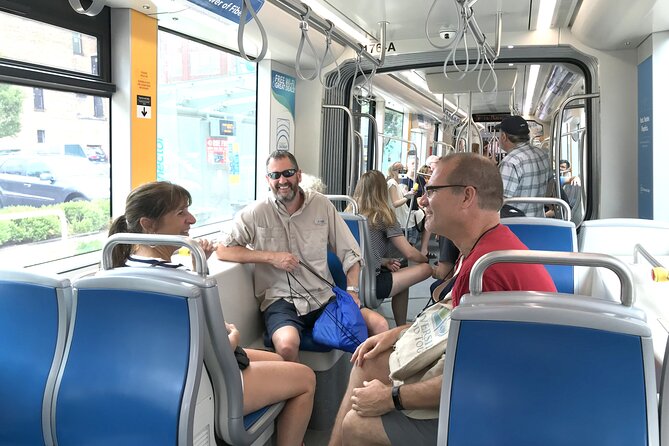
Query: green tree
point(11, 103)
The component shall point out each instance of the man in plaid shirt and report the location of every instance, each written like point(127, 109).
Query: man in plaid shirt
point(525, 169)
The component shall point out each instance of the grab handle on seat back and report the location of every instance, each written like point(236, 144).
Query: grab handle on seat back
point(155, 239)
point(566, 214)
point(627, 293)
point(345, 198)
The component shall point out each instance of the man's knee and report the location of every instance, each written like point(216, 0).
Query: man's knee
point(352, 428)
point(357, 430)
point(375, 322)
point(286, 342)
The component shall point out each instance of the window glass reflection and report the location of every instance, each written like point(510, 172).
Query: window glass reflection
point(206, 126)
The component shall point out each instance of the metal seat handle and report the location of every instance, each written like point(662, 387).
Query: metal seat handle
point(627, 293)
point(124, 238)
point(543, 200)
point(345, 198)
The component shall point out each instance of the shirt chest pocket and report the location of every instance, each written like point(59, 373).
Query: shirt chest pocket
point(315, 243)
point(272, 239)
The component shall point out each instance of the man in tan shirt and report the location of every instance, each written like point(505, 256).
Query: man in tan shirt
point(278, 232)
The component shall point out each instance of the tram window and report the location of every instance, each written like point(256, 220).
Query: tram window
point(206, 125)
point(392, 149)
point(30, 41)
point(54, 199)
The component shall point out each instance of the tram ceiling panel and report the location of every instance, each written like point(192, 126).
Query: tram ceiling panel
point(438, 83)
point(415, 101)
point(186, 18)
point(634, 21)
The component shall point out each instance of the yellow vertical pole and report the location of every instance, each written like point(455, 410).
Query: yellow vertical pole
point(143, 97)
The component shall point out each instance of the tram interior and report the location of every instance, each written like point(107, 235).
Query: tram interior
point(541, 71)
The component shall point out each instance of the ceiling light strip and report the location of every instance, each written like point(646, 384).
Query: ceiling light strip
point(531, 86)
point(545, 16)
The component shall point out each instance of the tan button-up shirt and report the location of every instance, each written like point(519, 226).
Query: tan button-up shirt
point(307, 234)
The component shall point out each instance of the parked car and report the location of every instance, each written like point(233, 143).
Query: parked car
point(38, 180)
point(96, 154)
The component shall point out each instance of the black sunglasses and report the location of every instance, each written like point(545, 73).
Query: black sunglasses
point(286, 174)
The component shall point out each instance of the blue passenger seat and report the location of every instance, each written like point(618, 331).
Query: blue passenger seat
point(33, 328)
point(359, 227)
point(527, 368)
point(544, 234)
point(215, 415)
point(133, 362)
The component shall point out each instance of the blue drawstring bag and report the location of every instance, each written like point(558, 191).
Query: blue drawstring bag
point(341, 324)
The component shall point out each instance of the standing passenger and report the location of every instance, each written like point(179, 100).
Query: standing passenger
point(162, 208)
point(277, 233)
point(400, 198)
point(525, 169)
point(431, 163)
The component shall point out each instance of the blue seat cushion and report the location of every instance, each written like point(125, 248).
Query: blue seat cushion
point(521, 383)
point(251, 418)
point(550, 238)
point(28, 333)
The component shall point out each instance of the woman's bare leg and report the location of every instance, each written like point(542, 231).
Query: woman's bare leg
point(268, 382)
point(400, 306)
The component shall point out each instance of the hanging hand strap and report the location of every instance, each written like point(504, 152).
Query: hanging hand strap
point(247, 8)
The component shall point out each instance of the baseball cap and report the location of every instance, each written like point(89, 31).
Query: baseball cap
point(514, 125)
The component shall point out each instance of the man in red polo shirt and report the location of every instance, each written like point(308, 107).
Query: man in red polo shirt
point(462, 202)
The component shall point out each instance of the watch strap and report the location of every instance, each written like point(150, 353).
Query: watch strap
point(397, 400)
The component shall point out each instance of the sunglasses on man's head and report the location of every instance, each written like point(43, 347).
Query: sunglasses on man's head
point(286, 174)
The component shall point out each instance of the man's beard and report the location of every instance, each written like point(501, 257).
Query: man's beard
point(289, 196)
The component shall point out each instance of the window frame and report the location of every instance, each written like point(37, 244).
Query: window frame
point(35, 75)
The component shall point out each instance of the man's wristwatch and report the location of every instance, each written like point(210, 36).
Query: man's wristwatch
point(356, 290)
point(397, 400)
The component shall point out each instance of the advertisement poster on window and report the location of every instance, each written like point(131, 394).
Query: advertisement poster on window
point(233, 172)
point(217, 151)
point(282, 111)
